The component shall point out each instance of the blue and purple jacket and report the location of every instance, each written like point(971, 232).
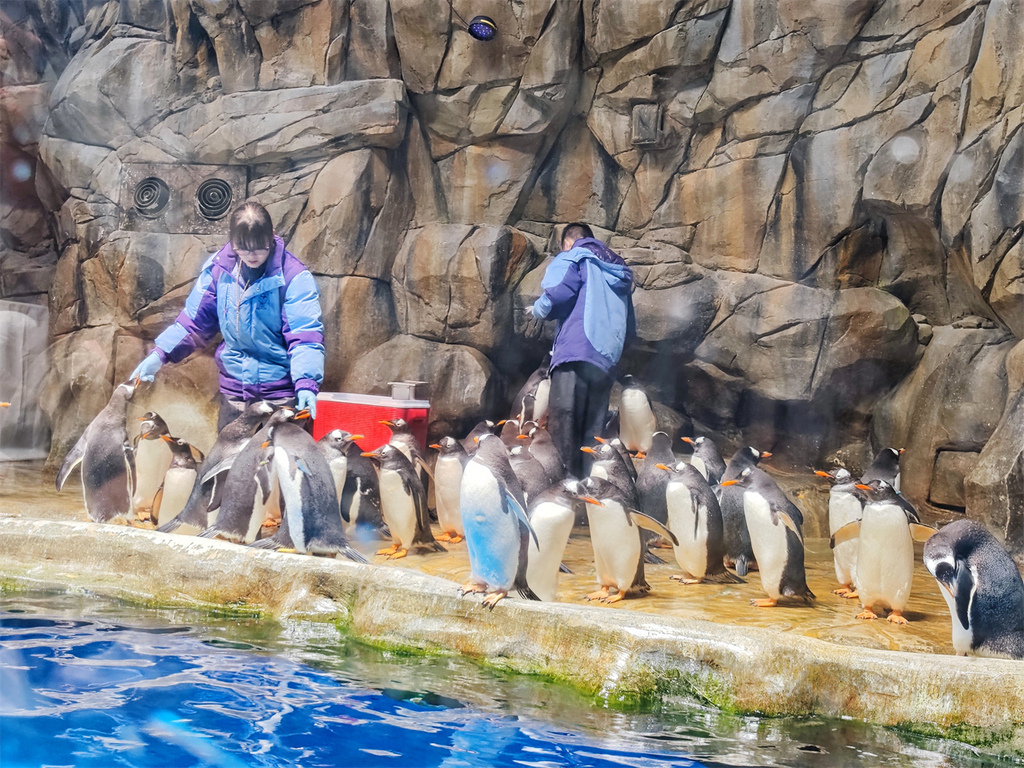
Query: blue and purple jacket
point(273, 336)
point(589, 289)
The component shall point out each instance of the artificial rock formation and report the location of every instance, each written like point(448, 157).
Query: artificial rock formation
point(822, 202)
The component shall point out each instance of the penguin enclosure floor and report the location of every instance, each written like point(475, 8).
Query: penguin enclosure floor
point(25, 492)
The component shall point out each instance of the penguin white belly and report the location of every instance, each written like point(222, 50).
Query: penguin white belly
point(637, 424)
point(540, 402)
point(616, 546)
point(768, 541)
point(844, 508)
point(447, 481)
point(152, 460)
point(177, 488)
point(698, 463)
point(287, 486)
point(339, 473)
point(552, 523)
point(690, 529)
point(398, 508)
point(492, 535)
point(885, 557)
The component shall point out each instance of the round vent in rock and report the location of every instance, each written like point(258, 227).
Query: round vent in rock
point(213, 198)
point(151, 196)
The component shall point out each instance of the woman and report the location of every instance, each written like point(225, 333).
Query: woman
point(266, 305)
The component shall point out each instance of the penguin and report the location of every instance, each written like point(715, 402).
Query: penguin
point(246, 501)
point(311, 520)
point(608, 465)
point(509, 433)
point(637, 423)
point(538, 386)
point(543, 448)
point(206, 493)
point(551, 515)
point(360, 497)
point(530, 472)
point(497, 529)
point(844, 506)
point(179, 479)
point(651, 481)
point(108, 463)
point(775, 526)
point(886, 466)
point(885, 534)
point(706, 459)
point(696, 519)
point(404, 440)
point(332, 447)
point(152, 459)
point(615, 535)
point(982, 588)
point(627, 460)
point(738, 551)
point(470, 441)
point(403, 501)
point(448, 468)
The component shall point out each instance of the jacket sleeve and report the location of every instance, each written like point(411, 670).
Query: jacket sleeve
point(562, 283)
point(303, 332)
point(197, 323)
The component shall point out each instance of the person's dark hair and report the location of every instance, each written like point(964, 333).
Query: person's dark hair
point(575, 231)
point(251, 228)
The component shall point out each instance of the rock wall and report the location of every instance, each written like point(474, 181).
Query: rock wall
point(823, 202)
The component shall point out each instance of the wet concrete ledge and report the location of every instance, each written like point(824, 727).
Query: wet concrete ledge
point(623, 656)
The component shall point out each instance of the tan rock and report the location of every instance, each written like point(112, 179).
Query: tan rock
point(1000, 210)
point(358, 315)
point(780, 113)
point(422, 31)
point(1007, 294)
point(293, 45)
point(371, 50)
point(875, 81)
point(951, 468)
point(284, 195)
point(235, 44)
point(904, 19)
point(1015, 367)
point(71, 164)
point(470, 114)
point(259, 12)
point(554, 58)
point(997, 80)
point(482, 183)
point(943, 55)
point(611, 26)
point(23, 112)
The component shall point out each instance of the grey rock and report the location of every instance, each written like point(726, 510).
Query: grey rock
point(948, 474)
point(358, 315)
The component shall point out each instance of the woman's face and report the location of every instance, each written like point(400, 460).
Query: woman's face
point(253, 259)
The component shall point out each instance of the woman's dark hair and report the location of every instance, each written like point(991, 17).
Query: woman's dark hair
point(575, 231)
point(251, 227)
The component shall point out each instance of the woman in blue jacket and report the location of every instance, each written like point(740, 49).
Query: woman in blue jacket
point(266, 306)
point(588, 288)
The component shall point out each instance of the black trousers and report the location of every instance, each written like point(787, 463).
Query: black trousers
point(577, 410)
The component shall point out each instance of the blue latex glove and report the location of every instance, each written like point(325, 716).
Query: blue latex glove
point(307, 401)
point(147, 369)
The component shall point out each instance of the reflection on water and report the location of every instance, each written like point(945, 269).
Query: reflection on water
point(90, 682)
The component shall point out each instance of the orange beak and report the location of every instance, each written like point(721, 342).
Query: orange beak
point(302, 415)
point(371, 454)
point(501, 423)
point(587, 449)
point(864, 487)
point(591, 500)
point(902, 450)
point(435, 446)
point(663, 466)
point(819, 473)
point(386, 423)
point(765, 455)
point(358, 437)
point(601, 440)
point(522, 437)
point(730, 482)
point(640, 455)
point(167, 438)
point(688, 440)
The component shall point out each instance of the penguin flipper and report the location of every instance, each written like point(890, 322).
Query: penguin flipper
point(73, 459)
point(789, 523)
point(652, 559)
point(563, 568)
point(724, 577)
point(648, 522)
point(129, 458)
point(197, 455)
point(526, 592)
point(922, 532)
point(965, 587)
point(524, 520)
point(742, 566)
point(221, 466)
point(158, 500)
point(209, 533)
point(845, 533)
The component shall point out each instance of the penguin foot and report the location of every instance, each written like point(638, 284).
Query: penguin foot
point(868, 614)
point(455, 539)
point(764, 602)
point(471, 588)
point(848, 592)
point(389, 550)
point(448, 538)
point(492, 599)
point(398, 555)
point(896, 617)
point(613, 598)
point(683, 579)
point(601, 594)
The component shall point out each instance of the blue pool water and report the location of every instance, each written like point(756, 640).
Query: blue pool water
point(85, 682)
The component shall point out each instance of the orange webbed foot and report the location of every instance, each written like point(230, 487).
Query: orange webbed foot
point(868, 614)
point(613, 598)
point(470, 588)
point(843, 591)
point(897, 617)
point(398, 554)
point(683, 579)
point(444, 537)
point(389, 550)
point(456, 538)
point(601, 594)
point(764, 602)
point(494, 598)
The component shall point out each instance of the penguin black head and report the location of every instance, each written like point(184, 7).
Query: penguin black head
point(447, 445)
point(151, 426)
point(837, 476)
point(339, 439)
point(397, 426)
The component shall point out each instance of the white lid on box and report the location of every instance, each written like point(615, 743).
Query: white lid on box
point(381, 401)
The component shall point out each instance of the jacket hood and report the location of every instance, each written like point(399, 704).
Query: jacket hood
point(615, 272)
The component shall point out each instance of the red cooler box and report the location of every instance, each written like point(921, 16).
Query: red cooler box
point(362, 414)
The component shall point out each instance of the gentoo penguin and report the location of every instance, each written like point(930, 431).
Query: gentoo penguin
point(509, 433)
point(885, 534)
point(844, 507)
point(152, 458)
point(403, 500)
point(195, 517)
point(404, 440)
point(246, 503)
point(982, 587)
point(108, 463)
point(451, 460)
point(651, 481)
point(706, 459)
point(530, 472)
point(627, 460)
point(738, 551)
point(696, 519)
point(309, 499)
point(539, 387)
point(360, 498)
point(774, 523)
point(552, 515)
point(615, 535)
point(609, 465)
point(332, 447)
point(543, 448)
point(469, 442)
point(179, 480)
point(886, 466)
point(497, 528)
point(637, 423)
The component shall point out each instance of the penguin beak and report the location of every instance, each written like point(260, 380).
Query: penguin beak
point(587, 449)
point(386, 422)
point(167, 438)
point(819, 473)
point(640, 455)
point(5, 405)
point(371, 454)
point(902, 450)
point(476, 439)
point(265, 444)
point(663, 466)
point(864, 487)
point(591, 500)
point(435, 446)
point(522, 437)
point(765, 455)
point(501, 423)
point(141, 418)
point(301, 415)
point(729, 482)
point(601, 440)
point(688, 440)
